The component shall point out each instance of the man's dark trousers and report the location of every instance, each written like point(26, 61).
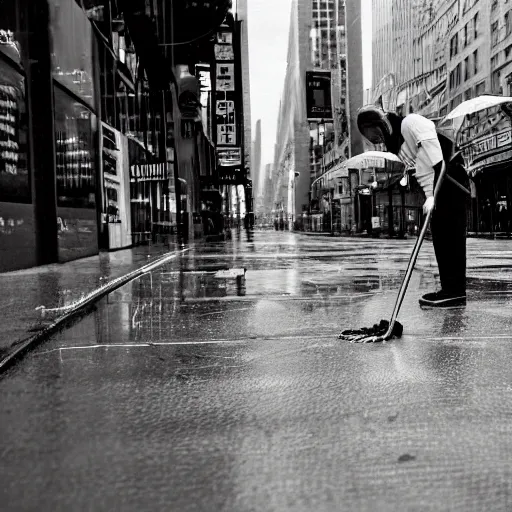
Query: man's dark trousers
point(448, 226)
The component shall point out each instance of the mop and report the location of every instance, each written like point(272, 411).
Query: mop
point(386, 330)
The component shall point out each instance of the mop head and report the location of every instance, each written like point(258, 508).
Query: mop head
point(368, 334)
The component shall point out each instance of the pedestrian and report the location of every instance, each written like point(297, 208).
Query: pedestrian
point(415, 140)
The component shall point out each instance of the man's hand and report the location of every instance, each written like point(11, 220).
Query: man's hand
point(429, 204)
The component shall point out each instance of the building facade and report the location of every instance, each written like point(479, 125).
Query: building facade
point(102, 137)
point(323, 85)
point(256, 164)
point(460, 50)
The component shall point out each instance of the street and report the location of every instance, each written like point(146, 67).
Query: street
point(187, 390)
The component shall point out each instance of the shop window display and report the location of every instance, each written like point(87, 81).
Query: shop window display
point(14, 175)
point(74, 126)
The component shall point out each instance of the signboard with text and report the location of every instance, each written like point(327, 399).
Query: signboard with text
point(226, 134)
point(489, 150)
point(224, 52)
point(230, 176)
point(225, 77)
point(227, 157)
point(318, 95)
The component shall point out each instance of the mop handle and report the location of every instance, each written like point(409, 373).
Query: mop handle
point(414, 256)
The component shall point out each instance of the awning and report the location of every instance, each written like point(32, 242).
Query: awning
point(488, 151)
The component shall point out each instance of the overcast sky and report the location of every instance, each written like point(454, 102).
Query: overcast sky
point(268, 26)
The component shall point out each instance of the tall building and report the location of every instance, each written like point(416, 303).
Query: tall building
point(256, 163)
point(267, 194)
point(103, 97)
point(461, 49)
point(323, 85)
point(242, 17)
point(382, 40)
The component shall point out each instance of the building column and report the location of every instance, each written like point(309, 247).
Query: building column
point(42, 130)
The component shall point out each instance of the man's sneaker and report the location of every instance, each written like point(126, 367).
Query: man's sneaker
point(442, 299)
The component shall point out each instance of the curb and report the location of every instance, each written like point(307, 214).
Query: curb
point(22, 347)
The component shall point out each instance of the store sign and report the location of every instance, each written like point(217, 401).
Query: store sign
point(225, 77)
point(229, 177)
point(226, 110)
point(150, 172)
point(225, 37)
point(488, 151)
point(318, 95)
point(482, 123)
point(226, 134)
point(204, 78)
point(229, 157)
point(224, 52)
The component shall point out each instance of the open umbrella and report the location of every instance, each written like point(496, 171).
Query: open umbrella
point(375, 159)
point(486, 107)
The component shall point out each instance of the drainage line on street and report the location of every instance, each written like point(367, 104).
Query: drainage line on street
point(22, 347)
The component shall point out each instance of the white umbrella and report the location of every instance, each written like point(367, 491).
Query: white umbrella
point(476, 104)
point(376, 159)
point(451, 125)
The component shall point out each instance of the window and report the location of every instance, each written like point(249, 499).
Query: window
point(454, 45)
point(508, 24)
point(455, 77)
point(467, 69)
point(456, 101)
point(494, 34)
point(475, 62)
point(496, 83)
point(468, 94)
point(494, 61)
point(14, 174)
point(465, 35)
point(494, 5)
point(476, 26)
point(480, 88)
point(74, 130)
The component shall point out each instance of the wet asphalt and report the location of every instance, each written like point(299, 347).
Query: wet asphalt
point(187, 391)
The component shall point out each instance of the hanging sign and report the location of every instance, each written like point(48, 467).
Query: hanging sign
point(225, 77)
point(150, 172)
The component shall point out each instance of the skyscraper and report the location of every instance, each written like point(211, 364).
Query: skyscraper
point(256, 163)
point(241, 6)
point(323, 86)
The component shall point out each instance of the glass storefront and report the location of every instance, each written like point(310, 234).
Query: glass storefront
point(72, 52)
point(14, 174)
point(75, 130)
point(17, 223)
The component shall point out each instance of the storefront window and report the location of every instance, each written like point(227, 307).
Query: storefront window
point(11, 32)
point(72, 48)
point(74, 126)
point(14, 175)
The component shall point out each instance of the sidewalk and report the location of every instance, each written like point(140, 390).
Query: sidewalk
point(59, 285)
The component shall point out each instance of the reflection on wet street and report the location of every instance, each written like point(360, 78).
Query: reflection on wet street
point(217, 383)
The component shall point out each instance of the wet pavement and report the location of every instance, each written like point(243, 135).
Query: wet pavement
point(58, 286)
point(186, 390)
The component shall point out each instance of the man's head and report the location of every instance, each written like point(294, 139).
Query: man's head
point(380, 127)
